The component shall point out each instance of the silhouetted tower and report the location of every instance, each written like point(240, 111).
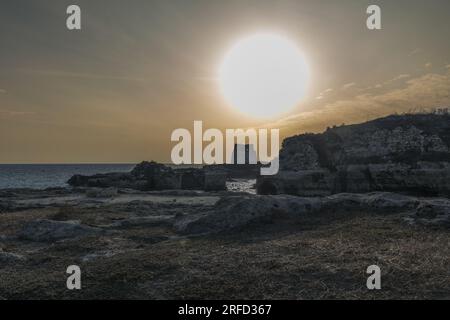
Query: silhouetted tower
point(244, 154)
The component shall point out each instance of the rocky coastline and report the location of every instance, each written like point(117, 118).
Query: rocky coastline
point(353, 196)
point(400, 153)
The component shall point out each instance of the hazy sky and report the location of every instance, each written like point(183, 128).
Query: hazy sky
point(114, 91)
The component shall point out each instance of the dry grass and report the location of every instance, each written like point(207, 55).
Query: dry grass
point(322, 257)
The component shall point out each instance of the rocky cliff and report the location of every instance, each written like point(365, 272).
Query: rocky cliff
point(400, 153)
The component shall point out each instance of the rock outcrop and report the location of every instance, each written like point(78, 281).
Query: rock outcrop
point(148, 176)
point(407, 154)
point(238, 212)
point(156, 176)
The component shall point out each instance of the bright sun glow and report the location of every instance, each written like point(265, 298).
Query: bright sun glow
point(263, 75)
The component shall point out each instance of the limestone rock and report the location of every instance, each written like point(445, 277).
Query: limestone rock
point(157, 176)
point(405, 153)
point(232, 213)
point(151, 176)
point(299, 155)
point(237, 212)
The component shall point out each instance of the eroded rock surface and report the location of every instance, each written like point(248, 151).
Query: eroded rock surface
point(158, 243)
point(407, 153)
point(234, 213)
point(148, 176)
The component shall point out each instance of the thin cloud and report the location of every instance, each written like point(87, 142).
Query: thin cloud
point(401, 76)
point(69, 74)
point(397, 78)
point(428, 65)
point(348, 85)
point(2, 91)
point(390, 81)
point(426, 91)
point(324, 93)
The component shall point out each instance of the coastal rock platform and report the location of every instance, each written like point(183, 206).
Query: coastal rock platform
point(184, 244)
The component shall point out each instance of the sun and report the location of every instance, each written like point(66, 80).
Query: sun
point(263, 75)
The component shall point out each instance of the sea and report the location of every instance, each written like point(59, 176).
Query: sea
point(42, 176)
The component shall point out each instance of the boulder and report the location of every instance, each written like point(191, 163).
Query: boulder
point(234, 213)
point(229, 213)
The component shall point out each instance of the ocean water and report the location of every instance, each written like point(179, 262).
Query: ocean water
point(41, 176)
